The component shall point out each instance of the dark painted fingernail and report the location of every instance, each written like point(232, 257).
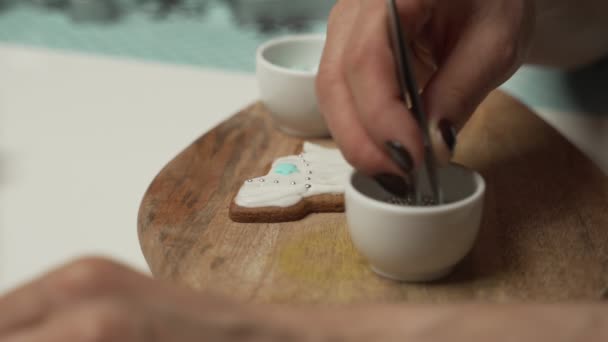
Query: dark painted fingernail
point(394, 184)
point(448, 133)
point(400, 156)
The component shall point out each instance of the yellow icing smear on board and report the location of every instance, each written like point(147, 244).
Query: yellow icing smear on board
point(319, 259)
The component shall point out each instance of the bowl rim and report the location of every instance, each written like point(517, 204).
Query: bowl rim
point(282, 40)
point(476, 195)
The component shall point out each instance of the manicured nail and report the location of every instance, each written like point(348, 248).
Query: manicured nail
point(394, 184)
point(400, 156)
point(448, 134)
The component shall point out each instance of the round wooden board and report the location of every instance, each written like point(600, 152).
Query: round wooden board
point(544, 235)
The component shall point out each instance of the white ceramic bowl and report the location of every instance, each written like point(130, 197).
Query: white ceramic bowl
point(286, 69)
point(415, 243)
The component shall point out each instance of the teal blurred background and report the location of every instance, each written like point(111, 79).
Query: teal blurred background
point(225, 33)
point(210, 33)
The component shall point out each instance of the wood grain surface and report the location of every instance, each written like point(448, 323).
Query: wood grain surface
point(544, 235)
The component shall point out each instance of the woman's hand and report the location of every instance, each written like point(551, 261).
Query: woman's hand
point(98, 300)
point(462, 50)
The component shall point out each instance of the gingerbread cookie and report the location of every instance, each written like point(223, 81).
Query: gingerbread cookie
point(295, 186)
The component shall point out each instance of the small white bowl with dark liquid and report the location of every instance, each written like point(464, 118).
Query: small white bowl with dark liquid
point(415, 243)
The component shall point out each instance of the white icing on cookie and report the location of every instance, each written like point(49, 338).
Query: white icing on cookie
point(318, 170)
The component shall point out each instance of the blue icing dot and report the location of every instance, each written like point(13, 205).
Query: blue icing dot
point(286, 169)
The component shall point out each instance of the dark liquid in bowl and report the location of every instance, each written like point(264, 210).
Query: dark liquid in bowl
point(410, 200)
point(456, 183)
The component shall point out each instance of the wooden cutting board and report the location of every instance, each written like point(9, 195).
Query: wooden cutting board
point(544, 235)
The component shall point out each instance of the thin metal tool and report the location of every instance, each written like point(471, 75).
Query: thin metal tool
point(426, 182)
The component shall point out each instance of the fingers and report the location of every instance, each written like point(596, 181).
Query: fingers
point(85, 278)
point(468, 51)
point(98, 300)
point(89, 321)
point(486, 54)
point(371, 74)
point(26, 306)
point(336, 101)
point(358, 90)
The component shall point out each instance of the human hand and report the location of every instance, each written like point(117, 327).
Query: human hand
point(462, 50)
point(98, 300)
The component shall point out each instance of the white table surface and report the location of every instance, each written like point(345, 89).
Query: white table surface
point(81, 138)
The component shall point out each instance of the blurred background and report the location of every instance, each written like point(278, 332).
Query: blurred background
point(96, 96)
point(212, 33)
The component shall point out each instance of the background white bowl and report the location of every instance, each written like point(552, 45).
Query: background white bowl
point(415, 243)
point(286, 69)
